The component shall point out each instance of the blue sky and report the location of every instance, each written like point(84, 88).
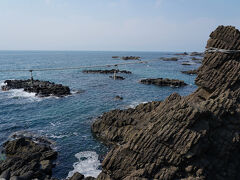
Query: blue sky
point(133, 25)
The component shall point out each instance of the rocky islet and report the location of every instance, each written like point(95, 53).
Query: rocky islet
point(164, 82)
point(41, 88)
point(111, 71)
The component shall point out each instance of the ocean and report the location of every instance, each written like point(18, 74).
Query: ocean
point(67, 121)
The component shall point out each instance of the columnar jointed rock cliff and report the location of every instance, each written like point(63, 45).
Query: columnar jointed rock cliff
point(193, 137)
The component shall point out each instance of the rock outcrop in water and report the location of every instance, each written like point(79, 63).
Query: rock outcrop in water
point(169, 59)
point(192, 137)
point(190, 72)
point(117, 77)
point(197, 54)
point(111, 71)
point(41, 88)
point(131, 58)
point(182, 54)
point(26, 159)
point(164, 82)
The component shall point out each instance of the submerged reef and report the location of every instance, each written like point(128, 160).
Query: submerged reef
point(192, 137)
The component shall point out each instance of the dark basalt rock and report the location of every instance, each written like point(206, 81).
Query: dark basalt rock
point(197, 54)
point(41, 88)
point(190, 72)
point(111, 71)
point(115, 57)
point(192, 137)
point(117, 77)
point(164, 82)
point(26, 159)
point(170, 59)
point(118, 98)
point(77, 176)
point(131, 58)
point(182, 54)
point(186, 64)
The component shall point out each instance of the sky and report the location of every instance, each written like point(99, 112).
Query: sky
point(113, 25)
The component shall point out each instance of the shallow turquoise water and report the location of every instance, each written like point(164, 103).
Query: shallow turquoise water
point(67, 120)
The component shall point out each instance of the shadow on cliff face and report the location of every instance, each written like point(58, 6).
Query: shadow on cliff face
point(193, 137)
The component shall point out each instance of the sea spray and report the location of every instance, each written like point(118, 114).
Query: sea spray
point(88, 164)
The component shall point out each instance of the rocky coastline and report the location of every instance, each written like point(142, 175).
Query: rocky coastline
point(127, 57)
point(111, 71)
point(192, 137)
point(130, 58)
point(26, 159)
point(41, 88)
point(164, 82)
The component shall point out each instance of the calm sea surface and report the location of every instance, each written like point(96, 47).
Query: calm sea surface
point(67, 120)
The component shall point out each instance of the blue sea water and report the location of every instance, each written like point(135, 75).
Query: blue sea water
point(67, 121)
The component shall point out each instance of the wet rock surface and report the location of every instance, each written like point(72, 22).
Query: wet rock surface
point(41, 88)
point(192, 137)
point(164, 82)
point(26, 159)
point(79, 176)
point(190, 72)
point(111, 71)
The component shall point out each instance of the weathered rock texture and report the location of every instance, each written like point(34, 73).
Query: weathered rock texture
point(111, 71)
point(164, 82)
point(26, 159)
point(193, 137)
point(41, 88)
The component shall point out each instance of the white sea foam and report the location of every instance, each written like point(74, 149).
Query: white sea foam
point(2, 83)
point(88, 164)
point(20, 93)
point(52, 124)
point(58, 136)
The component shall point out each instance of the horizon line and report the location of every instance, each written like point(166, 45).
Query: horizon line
point(103, 50)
